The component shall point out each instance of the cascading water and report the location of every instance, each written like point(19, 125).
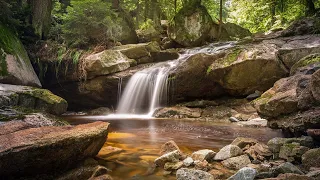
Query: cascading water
point(147, 90)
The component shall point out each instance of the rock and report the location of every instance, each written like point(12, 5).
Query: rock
point(244, 174)
point(43, 119)
point(148, 34)
point(254, 95)
point(218, 113)
point(180, 112)
point(242, 142)
point(199, 104)
point(276, 143)
point(233, 119)
point(168, 147)
point(109, 151)
point(192, 174)
point(217, 174)
point(297, 123)
point(228, 152)
point(292, 176)
point(190, 26)
point(259, 151)
point(173, 156)
point(292, 152)
point(35, 150)
point(169, 166)
point(286, 168)
point(86, 172)
point(100, 111)
point(235, 31)
point(236, 162)
point(311, 158)
point(125, 23)
point(165, 55)
point(202, 165)
point(307, 25)
point(32, 98)
point(204, 154)
point(15, 67)
point(105, 62)
point(314, 133)
point(308, 60)
point(257, 122)
point(315, 89)
point(314, 174)
point(188, 161)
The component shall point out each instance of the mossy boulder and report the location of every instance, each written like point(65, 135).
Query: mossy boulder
point(232, 73)
point(106, 62)
point(236, 31)
point(190, 26)
point(15, 66)
point(308, 60)
point(311, 158)
point(32, 98)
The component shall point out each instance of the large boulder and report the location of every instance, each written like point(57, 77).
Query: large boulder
point(236, 31)
point(232, 73)
point(32, 98)
point(15, 66)
point(105, 62)
point(191, 25)
point(52, 149)
point(307, 25)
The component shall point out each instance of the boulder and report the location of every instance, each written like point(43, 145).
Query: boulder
point(35, 150)
point(202, 165)
point(168, 147)
point(231, 72)
point(171, 166)
point(204, 154)
point(192, 174)
point(126, 28)
point(105, 62)
point(235, 31)
point(308, 60)
point(259, 151)
point(311, 158)
point(236, 162)
point(178, 112)
point(276, 143)
point(315, 88)
point(245, 173)
point(188, 161)
point(242, 142)
point(292, 176)
point(191, 25)
point(32, 98)
point(173, 156)
point(307, 25)
point(286, 168)
point(228, 152)
point(15, 66)
point(292, 152)
point(257, 122)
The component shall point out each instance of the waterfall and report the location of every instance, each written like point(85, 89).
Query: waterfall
point(147, 90)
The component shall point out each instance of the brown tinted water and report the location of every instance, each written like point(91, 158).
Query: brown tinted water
point(141, 140)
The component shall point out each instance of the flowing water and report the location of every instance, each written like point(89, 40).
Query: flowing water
point(148, 89)
point(141, 140)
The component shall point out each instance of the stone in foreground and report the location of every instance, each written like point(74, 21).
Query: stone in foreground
point(204, 154)
point(228, 152)
point(49, 149)
point(236, 162)
point(173, 156)
point(245, 173)
point(192, 174)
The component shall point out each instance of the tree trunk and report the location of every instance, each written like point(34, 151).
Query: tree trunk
point(273, 12)
point(220, 19)
point(311, 10)
point(41, 16)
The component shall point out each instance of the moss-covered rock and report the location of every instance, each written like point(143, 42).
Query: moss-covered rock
point(308, 60)
point(15, 66)
point(311, 158)
point(32, 98)
point(190, 26)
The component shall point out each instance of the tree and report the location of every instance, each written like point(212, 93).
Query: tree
point(220, 19)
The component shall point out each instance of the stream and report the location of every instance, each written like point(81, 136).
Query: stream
point(141, 140)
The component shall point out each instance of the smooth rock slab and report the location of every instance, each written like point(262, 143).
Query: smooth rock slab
point(49, 149)
point(228, 152)
point(192, 174)
point(245, 173)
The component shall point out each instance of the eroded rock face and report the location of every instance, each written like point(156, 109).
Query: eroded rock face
point(33, 98)
point(15, 66)
point(191, 25)
point(49, 149)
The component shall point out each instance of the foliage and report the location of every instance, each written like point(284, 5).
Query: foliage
point(89, 22)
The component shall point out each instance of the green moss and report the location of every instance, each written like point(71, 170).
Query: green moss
point(232, 57)
point(308, 60)
point(209, 70)
point(45, 95)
